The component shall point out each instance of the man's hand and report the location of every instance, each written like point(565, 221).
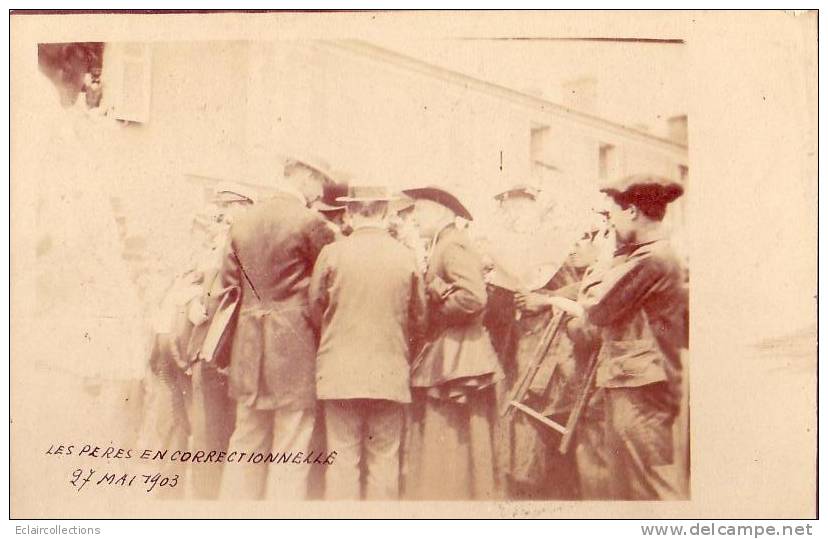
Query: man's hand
point(438, 289)
point(531, 302)
point(197, 313)
point(567, 305)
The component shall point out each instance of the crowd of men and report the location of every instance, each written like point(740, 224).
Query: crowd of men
point(349, 342)
point(368, 327)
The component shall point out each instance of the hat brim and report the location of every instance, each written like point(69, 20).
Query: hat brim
point(442, 197)
point(653, 192)
point(633, 181)
point(345, 200)
point(325, 207)
point(518, 190)
point(229, 197)
point(515, 193)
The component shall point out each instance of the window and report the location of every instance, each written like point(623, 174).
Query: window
point(541, 151)
point(132, 73)
point(677, 126)
point(607, 161)
point(539, 140)
point(543, 165)
point(683, 171)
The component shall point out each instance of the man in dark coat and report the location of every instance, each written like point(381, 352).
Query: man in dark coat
point(367, 299)
point(452, 453)
point(262, 315)
point(638, 307)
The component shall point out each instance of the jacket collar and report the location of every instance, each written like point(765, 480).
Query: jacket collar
point(628, 249)
point(440, 233)
point(369, 227)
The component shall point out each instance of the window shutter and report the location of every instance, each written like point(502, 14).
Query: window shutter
point(132, 102)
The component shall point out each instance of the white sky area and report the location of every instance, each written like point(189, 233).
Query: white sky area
point(637, 84)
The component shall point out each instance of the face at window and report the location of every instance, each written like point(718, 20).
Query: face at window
point(66, 66)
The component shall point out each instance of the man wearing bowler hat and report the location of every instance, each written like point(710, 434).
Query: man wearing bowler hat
point(261, 315)
point(451, 454)
point(367, 300)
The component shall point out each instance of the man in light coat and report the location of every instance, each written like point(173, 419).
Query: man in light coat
point(367, 298)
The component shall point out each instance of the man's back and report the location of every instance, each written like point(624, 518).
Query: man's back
point(269, 259)
point(276, 243)
point(367, 299)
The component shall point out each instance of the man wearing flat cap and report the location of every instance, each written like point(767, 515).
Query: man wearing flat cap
point(188, 397)
point(262, 318)
point(451, 454)
point(367, 300)
point(523, 251)
point(638, 308)
point(212, 413)
point(513, 251)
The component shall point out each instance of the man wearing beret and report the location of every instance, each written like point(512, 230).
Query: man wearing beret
point(452, 444)
point(638, 308)
point(367, 298)
point(262, 317)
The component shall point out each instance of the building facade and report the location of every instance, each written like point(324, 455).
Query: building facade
point(195, 113)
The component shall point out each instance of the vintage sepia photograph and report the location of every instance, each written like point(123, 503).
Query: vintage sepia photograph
point(366, 267)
